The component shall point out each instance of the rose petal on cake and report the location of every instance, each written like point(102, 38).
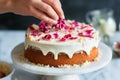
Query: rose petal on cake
point(71, 28)
point(47, 37)
point(79, 34)
point(85, 35)
point(57, 26)
point(61, 21)
point(73, 38)
point(31, 28)
point(82, 27)
point(47, 30)
point(88, 31)
point(55, 35)
point(42, 26)
point(35, 33)
point(67, 36)
point(75, 23)
point(62, 40)
point(61, 25)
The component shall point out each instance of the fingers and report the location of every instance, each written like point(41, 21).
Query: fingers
point(48, 10)
point(56, 5)
point(41, 15)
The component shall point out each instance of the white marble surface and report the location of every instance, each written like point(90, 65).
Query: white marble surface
point(9, 39)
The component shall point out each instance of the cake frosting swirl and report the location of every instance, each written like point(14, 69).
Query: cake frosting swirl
point(66, 36)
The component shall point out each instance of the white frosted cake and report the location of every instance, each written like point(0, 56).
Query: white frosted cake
point(66, 43)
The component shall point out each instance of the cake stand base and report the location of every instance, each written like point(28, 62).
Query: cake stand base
point(61, 77)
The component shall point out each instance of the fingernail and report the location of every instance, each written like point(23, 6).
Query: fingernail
point(56, 18)
point(63, 16)
point(54, 22)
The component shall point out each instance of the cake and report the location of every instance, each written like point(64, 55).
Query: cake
point(66, 43)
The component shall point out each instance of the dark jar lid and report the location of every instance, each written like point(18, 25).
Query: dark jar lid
point(116, 48)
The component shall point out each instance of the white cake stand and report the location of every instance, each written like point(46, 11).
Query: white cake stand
point(51, 73)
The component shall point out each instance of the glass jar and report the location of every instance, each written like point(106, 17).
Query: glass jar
point(103, 21)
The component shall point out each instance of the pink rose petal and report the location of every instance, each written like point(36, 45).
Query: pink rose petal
point(67, 36)
point(82, 27)
point(55, 35)
point(47, 37)
point(31, 28)
point(35, 33)
point(73, 38)
point(88, 31)
point(62, 39)
point(75, 23)
point(84, 35)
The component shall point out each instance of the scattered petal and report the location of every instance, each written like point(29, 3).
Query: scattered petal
point(47, 37)
point(31, 28)
point(62, 40)
point(55, 35)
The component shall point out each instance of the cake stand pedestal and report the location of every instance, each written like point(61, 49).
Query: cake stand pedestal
point(59, 77)
point(51, 73)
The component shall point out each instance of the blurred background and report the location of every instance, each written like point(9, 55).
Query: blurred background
point(105, 16)
point(73, 9)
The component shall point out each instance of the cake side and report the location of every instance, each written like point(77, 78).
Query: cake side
point(79, 58)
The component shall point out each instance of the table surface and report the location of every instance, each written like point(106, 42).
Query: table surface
point(9, 39)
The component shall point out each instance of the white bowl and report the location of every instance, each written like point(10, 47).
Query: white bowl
point(7, 69)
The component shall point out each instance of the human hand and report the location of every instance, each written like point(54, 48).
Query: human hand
point(46, 10)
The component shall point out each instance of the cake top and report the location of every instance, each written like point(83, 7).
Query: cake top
point(63, 31)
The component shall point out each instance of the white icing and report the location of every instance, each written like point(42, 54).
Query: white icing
point(67, 47)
